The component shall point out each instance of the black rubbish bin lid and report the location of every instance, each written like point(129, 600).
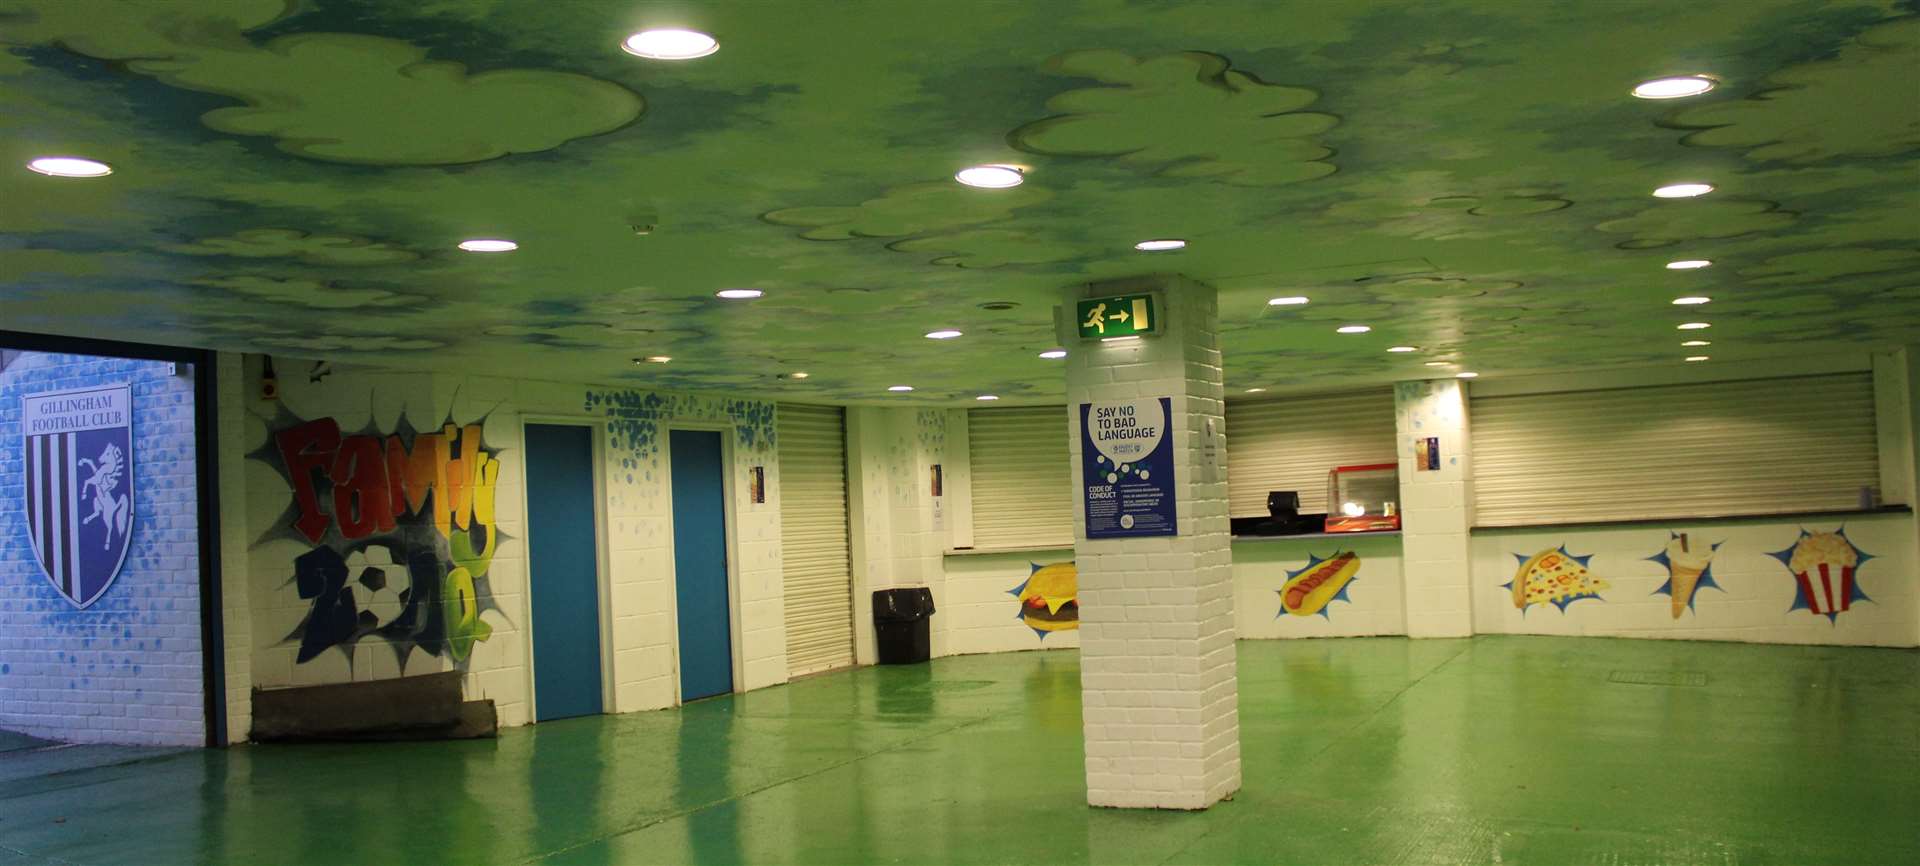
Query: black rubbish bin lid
point(902, 604)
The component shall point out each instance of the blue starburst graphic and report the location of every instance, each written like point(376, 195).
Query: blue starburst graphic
point(1801, 600)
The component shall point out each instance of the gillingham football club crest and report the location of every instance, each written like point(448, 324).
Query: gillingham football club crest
point(79, 486)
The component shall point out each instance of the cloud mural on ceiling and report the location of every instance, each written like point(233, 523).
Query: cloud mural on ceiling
point(1427, 288)
point(337, 97)
point(317, 294)
point(306, 248)
point(1859, 102)
point(990, 248)
point(1667, 223)
point(909, 210)
point(1189, 114)
point(1815, 267)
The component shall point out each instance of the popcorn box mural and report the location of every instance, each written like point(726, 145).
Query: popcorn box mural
point(1823, 565)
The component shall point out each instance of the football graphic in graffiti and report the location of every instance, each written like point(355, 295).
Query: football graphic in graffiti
point(77, 456)
point(1823, 566)
point(1318, 583)
point(1554, 577)
point(1049, 598)
point(1689, 565)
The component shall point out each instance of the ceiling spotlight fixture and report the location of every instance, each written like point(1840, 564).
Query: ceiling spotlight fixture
point(738, 294)
point(1697, 358)
point(1466, 375)
point(1673, 88)
point(1693, 343)
point(1683, 190)
point(670, 44)
point(1255, 390)
point(488, 245)
point(1054, 354)
point(991, 176)
point(944, 334)
point(1353, 329)
point(1289, 301)
point(1439, 363)
point(999, 306)
point(1692, 300)
point(1695, 326)
point(70, 166)
point(1160, 245)
point(900, 388)
point(1403, 349)
point(1688, 264)
point(797, 374)
point(1127, 339)
point(653, 359)
point(986, 397)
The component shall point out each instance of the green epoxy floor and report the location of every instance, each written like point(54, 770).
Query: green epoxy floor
point(1509, 750)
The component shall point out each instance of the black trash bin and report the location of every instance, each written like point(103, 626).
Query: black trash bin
point(900, 624)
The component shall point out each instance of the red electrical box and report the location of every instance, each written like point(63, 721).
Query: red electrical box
point(1363, 498)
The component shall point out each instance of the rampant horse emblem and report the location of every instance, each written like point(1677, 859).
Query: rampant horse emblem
point(79, 487)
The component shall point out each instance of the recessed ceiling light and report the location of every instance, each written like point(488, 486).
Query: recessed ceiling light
point(1688, 264)
point(1255, 390)
point(1692, 343)
point(1466, 375)
point(1054, 354)
point(670, 44)
point(70, 166)
point(1697, 358)
point(1673, 88)
point(945, 334)
point(900, 388)
point(1439, 363)
point(1683, 190)
point(1289, 301)
point(488, 245)
point(1403, 348)
point(738, 294)
point(1353, 329)
point(1692, 300)
point(1127, 339)
point(1160, 245)
point(1695, 326)
point(653, 359)
point(990, 176)
point(986, 397)
point(797, 374)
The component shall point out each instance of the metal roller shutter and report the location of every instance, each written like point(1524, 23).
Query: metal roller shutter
point(1702, 450)
point(1290, 443)
point(813, 537)
point(1022, 477)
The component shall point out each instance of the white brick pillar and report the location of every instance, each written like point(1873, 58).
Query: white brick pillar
point(1437, 506)
point(1160, 705)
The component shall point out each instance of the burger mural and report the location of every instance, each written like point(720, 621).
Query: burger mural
point(1050, 598)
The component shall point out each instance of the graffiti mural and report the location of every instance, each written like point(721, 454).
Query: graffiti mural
point(1689, 567)
point(404, 531)
point(1319, 583)
point(1049, 598)
point(1823, 566)
point(1554, 576)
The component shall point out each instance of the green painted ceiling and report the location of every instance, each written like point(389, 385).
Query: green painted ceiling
point(1466, 176)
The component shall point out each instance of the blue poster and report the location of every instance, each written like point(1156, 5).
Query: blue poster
point(1126, 457)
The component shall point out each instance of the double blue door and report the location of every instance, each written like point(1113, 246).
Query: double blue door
point(700, 563)
point(563, 570)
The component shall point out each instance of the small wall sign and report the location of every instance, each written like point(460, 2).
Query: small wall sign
point(1126, 461)
point(1426, 454)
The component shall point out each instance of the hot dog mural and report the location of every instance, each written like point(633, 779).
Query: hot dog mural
point(1318, 583)
point(1049, 598)
point(1554, 576)
point(1689, 564)
point(1823, 565)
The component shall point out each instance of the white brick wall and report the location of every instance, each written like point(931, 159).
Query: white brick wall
point(1436, 508)
point(127, 668)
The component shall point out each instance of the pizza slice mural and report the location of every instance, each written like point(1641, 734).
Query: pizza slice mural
point(1555, 577)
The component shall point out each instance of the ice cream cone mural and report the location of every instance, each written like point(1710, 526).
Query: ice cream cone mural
point(1050, 598)
point(1317, 584)
point(1555, 577)
point(1824, 565)
point(1689, 565)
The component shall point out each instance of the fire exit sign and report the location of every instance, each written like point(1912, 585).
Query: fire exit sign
point(1123, 316)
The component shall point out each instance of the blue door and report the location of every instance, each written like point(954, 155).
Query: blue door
point(700, 564)
point(563, 571)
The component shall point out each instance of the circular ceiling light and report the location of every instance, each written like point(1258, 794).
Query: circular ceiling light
point(1466, 375)
point(1673, 88)
point(1683, 190)
point(1159, 245)
point(653, 359)
point(738, 294)
point(670, 44)
point(1693, 343)
point(70, 166)
point(990, 176)
point(1054, 354)
point(1692, 300)
point(1697, 358)
point(488, 245)
point(986, 397)
point(1289, 301)
point(1439, 363)
point(1403, 349)
point(1688, 264)
point(1695, 326)
point(1255, 390)
point(1353, 329)
point(900, 388)
point(943, 334)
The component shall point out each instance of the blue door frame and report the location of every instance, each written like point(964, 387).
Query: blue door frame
point(563, 570)
point(697, 466)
